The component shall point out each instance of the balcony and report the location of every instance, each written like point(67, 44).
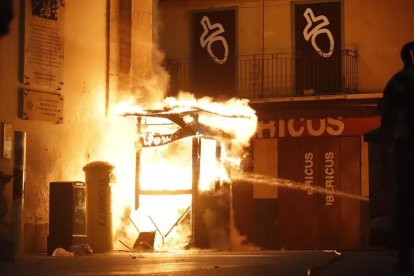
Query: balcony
point(277, 75)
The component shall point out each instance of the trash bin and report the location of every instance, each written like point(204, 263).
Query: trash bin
point(98, 177)
point(67, 212)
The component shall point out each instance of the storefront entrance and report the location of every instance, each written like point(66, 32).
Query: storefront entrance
point(311, 220)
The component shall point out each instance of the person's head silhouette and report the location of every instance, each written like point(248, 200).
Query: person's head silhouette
point(407, 53)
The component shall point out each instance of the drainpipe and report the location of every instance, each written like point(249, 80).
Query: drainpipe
point(19, 178)
point(263, 45)
point(107, 54)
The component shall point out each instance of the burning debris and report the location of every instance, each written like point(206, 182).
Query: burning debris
point(182, 187)
point(186, 119)
point(194, 121)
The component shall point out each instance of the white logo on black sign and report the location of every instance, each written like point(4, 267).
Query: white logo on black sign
point(317, 30)
point(215, 36)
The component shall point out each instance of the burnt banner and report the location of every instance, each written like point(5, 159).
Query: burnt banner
point(318, 65)
point(213, 53)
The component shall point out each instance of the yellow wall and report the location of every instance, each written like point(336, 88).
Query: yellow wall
point(58, 152)
point(376, 29)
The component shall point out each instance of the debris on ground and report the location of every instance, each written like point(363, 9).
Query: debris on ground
point(75, 250)
point(81, 249)
point(60, 252)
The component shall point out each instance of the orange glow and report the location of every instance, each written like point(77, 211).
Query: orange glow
point(168, 167)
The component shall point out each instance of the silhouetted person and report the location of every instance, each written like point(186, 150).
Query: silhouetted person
point(397, 111)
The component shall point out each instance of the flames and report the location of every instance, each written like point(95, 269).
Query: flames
point(167, 167)
point(234, 116)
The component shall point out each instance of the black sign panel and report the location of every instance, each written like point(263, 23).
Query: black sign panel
point(213, 53)
point(318, 65)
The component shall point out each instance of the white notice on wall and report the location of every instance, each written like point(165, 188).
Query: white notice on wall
point(43, 44)
point(42, 106)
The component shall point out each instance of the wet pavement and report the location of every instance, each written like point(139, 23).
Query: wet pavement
point(199, 263)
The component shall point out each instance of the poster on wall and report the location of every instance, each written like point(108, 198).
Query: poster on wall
point(43, 44)
point(213, 52)
point(318, 65)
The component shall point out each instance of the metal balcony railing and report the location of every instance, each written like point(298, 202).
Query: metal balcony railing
point(280, 75)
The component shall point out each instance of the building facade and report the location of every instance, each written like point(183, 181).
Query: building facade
point(63, 66)
point(314, 72)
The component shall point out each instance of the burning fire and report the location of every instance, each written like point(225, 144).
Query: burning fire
point(165, 172)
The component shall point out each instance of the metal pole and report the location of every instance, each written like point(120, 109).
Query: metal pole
point(263, 45)
point(227, 148)
point(19, 178)
point(195, 212)
point(218, 161)
point(138, 163)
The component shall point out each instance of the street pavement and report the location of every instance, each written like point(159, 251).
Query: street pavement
point(199, 262)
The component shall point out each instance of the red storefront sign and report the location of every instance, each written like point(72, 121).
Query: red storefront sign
point(328, 126)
